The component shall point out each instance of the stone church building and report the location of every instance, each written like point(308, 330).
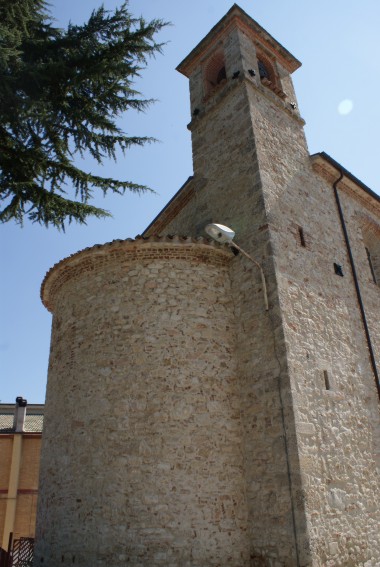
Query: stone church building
point(187, 424)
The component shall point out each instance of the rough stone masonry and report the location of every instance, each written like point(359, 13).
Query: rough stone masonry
point(186, 426)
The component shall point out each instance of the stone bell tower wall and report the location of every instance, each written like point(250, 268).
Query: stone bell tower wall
point(335, 402)
point(228, 188)
point(142, 454)
point(309, 400)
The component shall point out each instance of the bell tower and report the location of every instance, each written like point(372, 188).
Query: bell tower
point(237, 48)
point(305, 377)
point(247, 138)
point(244, 115)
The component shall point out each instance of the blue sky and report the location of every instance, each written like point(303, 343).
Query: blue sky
point(337, 88)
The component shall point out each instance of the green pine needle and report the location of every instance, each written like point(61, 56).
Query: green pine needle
point(61, 92)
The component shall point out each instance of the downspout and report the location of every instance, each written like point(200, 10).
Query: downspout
point(356, 282)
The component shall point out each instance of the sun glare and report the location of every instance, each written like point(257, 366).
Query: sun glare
point(345, 106)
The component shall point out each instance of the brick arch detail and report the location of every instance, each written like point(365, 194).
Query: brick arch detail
point(212, 71)
point(269, 66)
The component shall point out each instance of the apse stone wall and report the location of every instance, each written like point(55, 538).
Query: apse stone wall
point(142, 453)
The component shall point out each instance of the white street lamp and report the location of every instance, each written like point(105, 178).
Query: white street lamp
point(225, 235)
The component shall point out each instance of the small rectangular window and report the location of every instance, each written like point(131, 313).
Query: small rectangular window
point(338, 270)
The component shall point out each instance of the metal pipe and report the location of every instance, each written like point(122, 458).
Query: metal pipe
point(356, 282)
point(232, 243)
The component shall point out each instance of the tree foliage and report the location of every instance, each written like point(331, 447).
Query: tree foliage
point(61, 92)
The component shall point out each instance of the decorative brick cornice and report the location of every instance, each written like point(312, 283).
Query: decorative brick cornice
point(102, 256)
point(237, 18)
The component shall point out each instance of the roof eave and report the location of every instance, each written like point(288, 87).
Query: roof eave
point(323, 158)
point(238, 15)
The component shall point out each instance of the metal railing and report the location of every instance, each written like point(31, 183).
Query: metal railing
point(19, 554)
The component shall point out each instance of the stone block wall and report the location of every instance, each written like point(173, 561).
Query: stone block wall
point(310, 405)
point(225, 159)
point(333, 385)
point(230, 435)
point(142, 461)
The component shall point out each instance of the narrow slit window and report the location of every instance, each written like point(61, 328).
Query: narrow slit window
point(327, 380)
point(301, 236)
point(371, 241)
point(371, 264)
